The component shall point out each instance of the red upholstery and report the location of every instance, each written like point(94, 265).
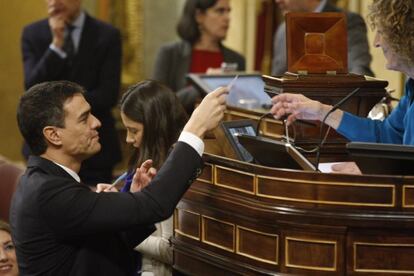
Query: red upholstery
point(9, 177)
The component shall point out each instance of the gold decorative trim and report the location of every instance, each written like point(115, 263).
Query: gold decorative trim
point(186, 235)
point(404, 203)
point(256, 118)
point(355, 244)
point(243, 115)
point(177, 231)
point(276, 262)
point(309, 182)
point(130, 16)
point(203, 233)
point(288, 264)
point(212, 174)
point(254, 184)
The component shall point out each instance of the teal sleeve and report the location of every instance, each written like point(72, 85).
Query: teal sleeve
point(397, 128)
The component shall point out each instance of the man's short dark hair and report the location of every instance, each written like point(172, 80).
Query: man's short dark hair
point(41, 106)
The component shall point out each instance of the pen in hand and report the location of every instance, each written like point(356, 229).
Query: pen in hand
point(120, 178)
point(233, 81)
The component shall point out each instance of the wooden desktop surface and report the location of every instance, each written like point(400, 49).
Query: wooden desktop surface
point(244, 219)
point(239, 218)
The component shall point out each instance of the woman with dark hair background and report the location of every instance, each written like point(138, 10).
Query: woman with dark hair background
point(202, 28)
point(154, 118)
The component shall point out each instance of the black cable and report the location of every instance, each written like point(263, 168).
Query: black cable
point(265, 115)
point(259, 121)
point(335, 107)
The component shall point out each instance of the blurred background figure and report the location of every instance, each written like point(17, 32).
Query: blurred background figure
point(10, 173)
point(359, 57)
point(154, 118)
point(71, 45)
point(202, 28)
point(8, 263)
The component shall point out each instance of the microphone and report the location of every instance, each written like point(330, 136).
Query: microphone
point(335, 107)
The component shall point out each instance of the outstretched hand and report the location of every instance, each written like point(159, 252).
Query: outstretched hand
point(296, 106)
point(143, 176)
point(209, 113)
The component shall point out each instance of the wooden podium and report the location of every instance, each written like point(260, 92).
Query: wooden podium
point(318, 68)
point(329, 90)
point(244, 219)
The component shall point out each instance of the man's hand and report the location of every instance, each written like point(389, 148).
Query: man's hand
point(107, 188)
point(57, 26)
point(209, 113)
point(143, 176)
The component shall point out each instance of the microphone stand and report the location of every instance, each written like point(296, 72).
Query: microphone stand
point(335, 107)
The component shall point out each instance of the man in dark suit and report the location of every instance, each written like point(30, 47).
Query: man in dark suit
point(61, 227)
point(71, 45)
point(359, 58)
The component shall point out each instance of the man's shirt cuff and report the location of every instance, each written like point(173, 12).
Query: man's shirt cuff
point(192, 140)
point(58, 51)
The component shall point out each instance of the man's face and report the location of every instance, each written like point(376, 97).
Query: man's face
point(68, 10)
point(293, 5)
point(79, 137)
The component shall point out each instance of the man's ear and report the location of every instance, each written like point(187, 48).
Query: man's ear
point(52, 135)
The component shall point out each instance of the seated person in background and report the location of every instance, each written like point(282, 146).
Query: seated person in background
point(359, 58)
point(394, 35)
point(154, 118)
point(202, 28)
point(8, 263)
point(61, 227)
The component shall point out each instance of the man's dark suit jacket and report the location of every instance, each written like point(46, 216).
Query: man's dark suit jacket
point(96, 66)
point(60, 227)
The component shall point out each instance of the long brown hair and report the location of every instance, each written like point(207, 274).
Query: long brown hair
point(162, 115)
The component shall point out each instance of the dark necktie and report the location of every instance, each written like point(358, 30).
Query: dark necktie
point(68, 45)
